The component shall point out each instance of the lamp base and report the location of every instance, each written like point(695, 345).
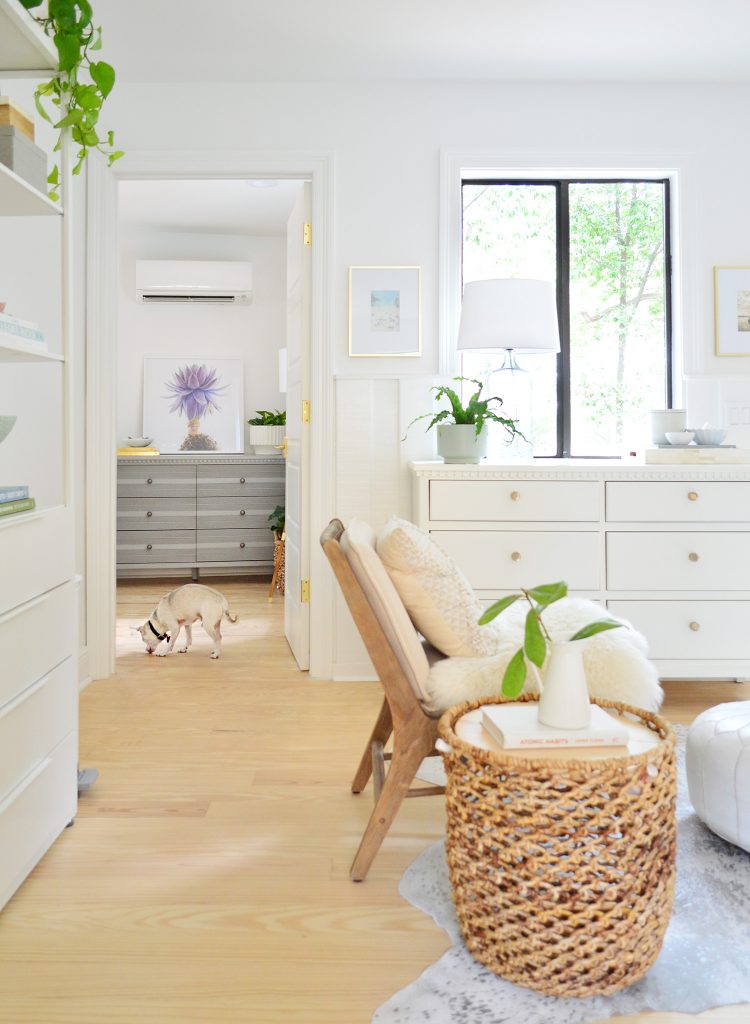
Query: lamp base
point(512, 383)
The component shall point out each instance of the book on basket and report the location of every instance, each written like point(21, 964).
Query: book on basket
point(9, 508)
point(13, 492)
point(12, 327)
point(515, 726)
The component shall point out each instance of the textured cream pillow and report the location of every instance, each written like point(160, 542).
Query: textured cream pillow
point(436, 593)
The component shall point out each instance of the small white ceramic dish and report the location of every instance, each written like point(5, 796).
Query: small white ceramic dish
point(680, 438)
point(139, 442)
point(710, 435)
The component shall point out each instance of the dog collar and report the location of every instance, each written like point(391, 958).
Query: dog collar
point(159, 636)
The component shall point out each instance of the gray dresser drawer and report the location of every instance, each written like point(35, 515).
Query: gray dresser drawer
point(156, 481)
point(153, 513)
point(235, 513)
point(241, 478)
point(235, 546)
point(141, 547)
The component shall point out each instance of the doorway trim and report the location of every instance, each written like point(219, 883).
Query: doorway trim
point(101, 375)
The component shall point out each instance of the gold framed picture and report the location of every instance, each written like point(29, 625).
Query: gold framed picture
point(385, 312)
point(732, 310)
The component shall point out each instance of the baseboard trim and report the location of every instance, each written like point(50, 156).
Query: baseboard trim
point(84, 672)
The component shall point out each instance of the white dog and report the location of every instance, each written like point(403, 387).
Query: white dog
point(181, 608)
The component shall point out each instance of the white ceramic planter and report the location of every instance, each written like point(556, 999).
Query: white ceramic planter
point(458, 442)
point(265, 440)
point(564, 703)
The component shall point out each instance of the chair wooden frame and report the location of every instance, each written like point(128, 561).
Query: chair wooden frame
point(401, 715)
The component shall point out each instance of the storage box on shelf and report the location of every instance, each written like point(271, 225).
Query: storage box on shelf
point(666, 548)
point(197, 513)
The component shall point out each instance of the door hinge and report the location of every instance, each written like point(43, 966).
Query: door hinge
point(305, 410)
point(304, 591)
point(307, 234)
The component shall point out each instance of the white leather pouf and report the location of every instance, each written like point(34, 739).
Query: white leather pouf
point(718, 770)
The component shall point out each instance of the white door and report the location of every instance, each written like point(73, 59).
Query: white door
point(298, 281)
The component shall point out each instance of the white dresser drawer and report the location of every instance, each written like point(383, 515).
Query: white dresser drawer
point(34, 814)
point(507, 560)
point(678, 561)
point(670, 501)
point(36, 637)
point(690, 629)
point(33, 723)
point(514, 500)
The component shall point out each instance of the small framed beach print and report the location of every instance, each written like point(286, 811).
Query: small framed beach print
point(385, 311)
point(732, 310)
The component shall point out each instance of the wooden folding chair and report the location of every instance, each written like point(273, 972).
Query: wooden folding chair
point(414, 730)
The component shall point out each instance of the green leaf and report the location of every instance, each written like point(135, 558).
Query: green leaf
point(110, 138)
point(37, 103)
point(596, 627)
point(68, 50)
point(515, 676)
point(90, 138)
point(74, 116)
point(118, 153)
point(89, 100)
point(53, 178)
point(31, 4)
point(104, 76)
point(548, 593)
point(53, 196)
point(534, 644)
point(97, 43)
point(494, 610)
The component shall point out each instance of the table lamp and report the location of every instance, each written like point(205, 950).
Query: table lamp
point(510, 315)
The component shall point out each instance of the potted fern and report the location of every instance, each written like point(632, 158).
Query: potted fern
point(267, 430)
point(462, 433)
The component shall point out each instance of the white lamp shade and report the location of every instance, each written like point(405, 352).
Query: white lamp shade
point(503, 313)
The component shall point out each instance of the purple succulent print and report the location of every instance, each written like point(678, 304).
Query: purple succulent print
point(195, 390)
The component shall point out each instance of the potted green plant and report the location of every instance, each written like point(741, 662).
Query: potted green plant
point(564, 702)
point(79, 87)
point(462, 433)
point(267, 430)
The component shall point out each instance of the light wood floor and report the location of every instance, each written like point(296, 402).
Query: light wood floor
point(205, 879)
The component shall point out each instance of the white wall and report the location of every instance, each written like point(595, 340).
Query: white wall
point(387, 140)
point(253, 333)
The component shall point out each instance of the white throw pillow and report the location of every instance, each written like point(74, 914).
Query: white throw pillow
point(435, 592)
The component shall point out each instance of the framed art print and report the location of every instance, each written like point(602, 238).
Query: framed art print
point(385, 311)
point(732, 310)
point(193, 405)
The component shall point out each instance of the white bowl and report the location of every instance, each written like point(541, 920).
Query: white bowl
point(139, 442)
point(710, 435)
point(680, 438)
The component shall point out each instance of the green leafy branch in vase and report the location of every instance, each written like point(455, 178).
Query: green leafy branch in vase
point(536, 636)
point(69, 23)
point(477, 410)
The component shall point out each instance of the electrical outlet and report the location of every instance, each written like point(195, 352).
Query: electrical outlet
point(737, 414)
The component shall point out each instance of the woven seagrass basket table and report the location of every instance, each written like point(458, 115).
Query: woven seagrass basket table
point(562, 863)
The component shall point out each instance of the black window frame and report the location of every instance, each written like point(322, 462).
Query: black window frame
point(562, 231)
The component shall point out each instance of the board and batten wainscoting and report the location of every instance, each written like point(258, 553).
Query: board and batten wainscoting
point(665, 547)
point(185, 515)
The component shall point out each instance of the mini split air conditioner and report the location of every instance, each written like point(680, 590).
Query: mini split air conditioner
point(193, 281)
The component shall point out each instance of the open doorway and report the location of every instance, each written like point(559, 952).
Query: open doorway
point(213, 303)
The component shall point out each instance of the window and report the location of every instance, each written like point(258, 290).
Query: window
point(606, 245)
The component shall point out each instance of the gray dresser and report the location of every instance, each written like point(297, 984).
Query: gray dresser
point(193, 515)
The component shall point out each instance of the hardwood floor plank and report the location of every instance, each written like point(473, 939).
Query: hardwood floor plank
point(206, 878)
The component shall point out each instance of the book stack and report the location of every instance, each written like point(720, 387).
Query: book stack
point(517, 727)
point(128, 450)
point(13, 329)
point(15, 499)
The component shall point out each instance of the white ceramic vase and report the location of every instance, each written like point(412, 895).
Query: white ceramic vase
point(266, 440)
point(564, 703)
point(458, 442)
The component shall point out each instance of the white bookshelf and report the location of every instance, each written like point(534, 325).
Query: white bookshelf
point(38, 599)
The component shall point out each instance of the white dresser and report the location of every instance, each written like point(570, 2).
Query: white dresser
point(666, 547)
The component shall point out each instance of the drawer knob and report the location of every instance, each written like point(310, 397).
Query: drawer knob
point(242, 511)
point(242, 479)
point(149, 514)
point(693, 495)
point(149, 546)
point(242, 543)
point(515, 495)
point(695, 626)
point(149, 481)
point(516, 556)
point(693, 556)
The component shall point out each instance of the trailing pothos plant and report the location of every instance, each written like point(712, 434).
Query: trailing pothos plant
point(536, 636)
point(80, 85)
point(477, 412)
